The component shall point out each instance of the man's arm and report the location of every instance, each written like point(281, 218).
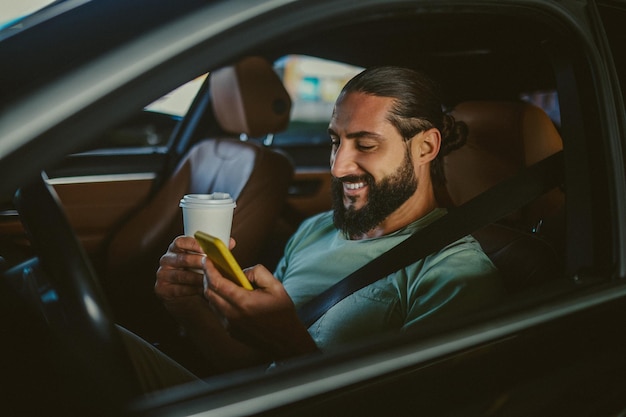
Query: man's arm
point(181, 291)
point(264, 318)
point(455, 282)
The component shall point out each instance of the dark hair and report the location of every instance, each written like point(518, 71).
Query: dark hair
point(417, 107)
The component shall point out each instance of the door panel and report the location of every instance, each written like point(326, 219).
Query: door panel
point(98, 190)
point(96, 205)
point(101, 187)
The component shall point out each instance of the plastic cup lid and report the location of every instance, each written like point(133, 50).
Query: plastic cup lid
point(216, 199)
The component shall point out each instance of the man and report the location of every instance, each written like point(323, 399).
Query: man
point(388, 136)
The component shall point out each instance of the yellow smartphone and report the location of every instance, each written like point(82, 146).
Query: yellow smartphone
point(222, 258)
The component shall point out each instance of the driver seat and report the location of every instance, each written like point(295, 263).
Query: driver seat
point(504, 137)
point(247, 98)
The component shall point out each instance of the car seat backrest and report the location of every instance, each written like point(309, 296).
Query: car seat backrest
point(250, 98)
point(503, 138)
point(256, 177)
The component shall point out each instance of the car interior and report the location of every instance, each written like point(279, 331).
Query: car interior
point(248, 98)
point(506, 75)
point(503, 138)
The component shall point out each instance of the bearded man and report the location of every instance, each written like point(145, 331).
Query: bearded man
point(388, 135)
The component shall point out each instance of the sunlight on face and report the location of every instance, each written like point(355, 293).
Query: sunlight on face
point(373, 173)
point(384, 197)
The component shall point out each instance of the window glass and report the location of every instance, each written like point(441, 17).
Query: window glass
point(177, 102)
point(153, 126)
point(546, 100)
point(313, 85)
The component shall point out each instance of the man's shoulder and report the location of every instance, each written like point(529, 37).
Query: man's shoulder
point(467, 242)
point(314, 228)
point(465, 252)
point(324, 219)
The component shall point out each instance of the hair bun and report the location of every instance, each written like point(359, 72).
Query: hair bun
point(454, 134)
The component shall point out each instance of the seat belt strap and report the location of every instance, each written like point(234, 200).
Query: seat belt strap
point(488, 207)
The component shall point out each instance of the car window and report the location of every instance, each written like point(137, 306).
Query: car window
point(177, 102)
point(313, 84)
point(547, 100)
point(154, 124)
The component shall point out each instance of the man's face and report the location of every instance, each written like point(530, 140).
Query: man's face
point(371, 164)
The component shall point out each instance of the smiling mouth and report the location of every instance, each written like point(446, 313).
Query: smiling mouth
point(353, 185)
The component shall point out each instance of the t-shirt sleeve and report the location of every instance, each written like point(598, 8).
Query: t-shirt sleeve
point(454, 282)
point(281, 267)
point(279, 272)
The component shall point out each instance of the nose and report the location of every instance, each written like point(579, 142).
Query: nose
point(343, 160)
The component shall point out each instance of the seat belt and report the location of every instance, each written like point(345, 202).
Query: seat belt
point(488, 207)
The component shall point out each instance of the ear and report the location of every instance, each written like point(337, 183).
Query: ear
point(428, 146)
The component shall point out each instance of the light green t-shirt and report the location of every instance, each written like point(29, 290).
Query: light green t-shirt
point(457, 280)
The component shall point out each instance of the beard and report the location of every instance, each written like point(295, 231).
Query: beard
point(384, 198)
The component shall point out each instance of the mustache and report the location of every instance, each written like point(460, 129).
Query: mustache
point(366, 178)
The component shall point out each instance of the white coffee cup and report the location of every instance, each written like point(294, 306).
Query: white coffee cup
point(209, 213)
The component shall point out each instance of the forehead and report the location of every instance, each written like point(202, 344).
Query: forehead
point(359, 111)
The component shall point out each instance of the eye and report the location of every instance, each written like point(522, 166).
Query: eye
point(365, 146)
point(334, 142)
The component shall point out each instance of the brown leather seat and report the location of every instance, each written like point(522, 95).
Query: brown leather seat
point(247, 98)
point(503, 138)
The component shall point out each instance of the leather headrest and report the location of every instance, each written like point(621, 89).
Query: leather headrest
point(503, 138)
point(249, 97)
point(516, 131)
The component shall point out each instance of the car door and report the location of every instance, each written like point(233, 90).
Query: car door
point(111, 179)
point(101, 186)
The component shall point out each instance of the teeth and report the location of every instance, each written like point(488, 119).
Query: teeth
point(354, 186)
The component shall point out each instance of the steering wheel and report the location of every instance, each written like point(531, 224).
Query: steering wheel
point(91, 350)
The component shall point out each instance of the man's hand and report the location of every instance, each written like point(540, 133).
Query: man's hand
point(181, 288)
point(175, 278)
point(264, 318)
point(180, 272)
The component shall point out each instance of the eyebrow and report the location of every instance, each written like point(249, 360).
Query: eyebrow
point(358, 135)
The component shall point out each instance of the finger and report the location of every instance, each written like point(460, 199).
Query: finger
point(169, 278)
point(260, 277)
point(178, 260)
point(172, 292)
point(222, 307)
point(227, 296)
point(232, 243)
point(185, 244)
point(183, 277)
point(176, 283)
point(217, 282)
